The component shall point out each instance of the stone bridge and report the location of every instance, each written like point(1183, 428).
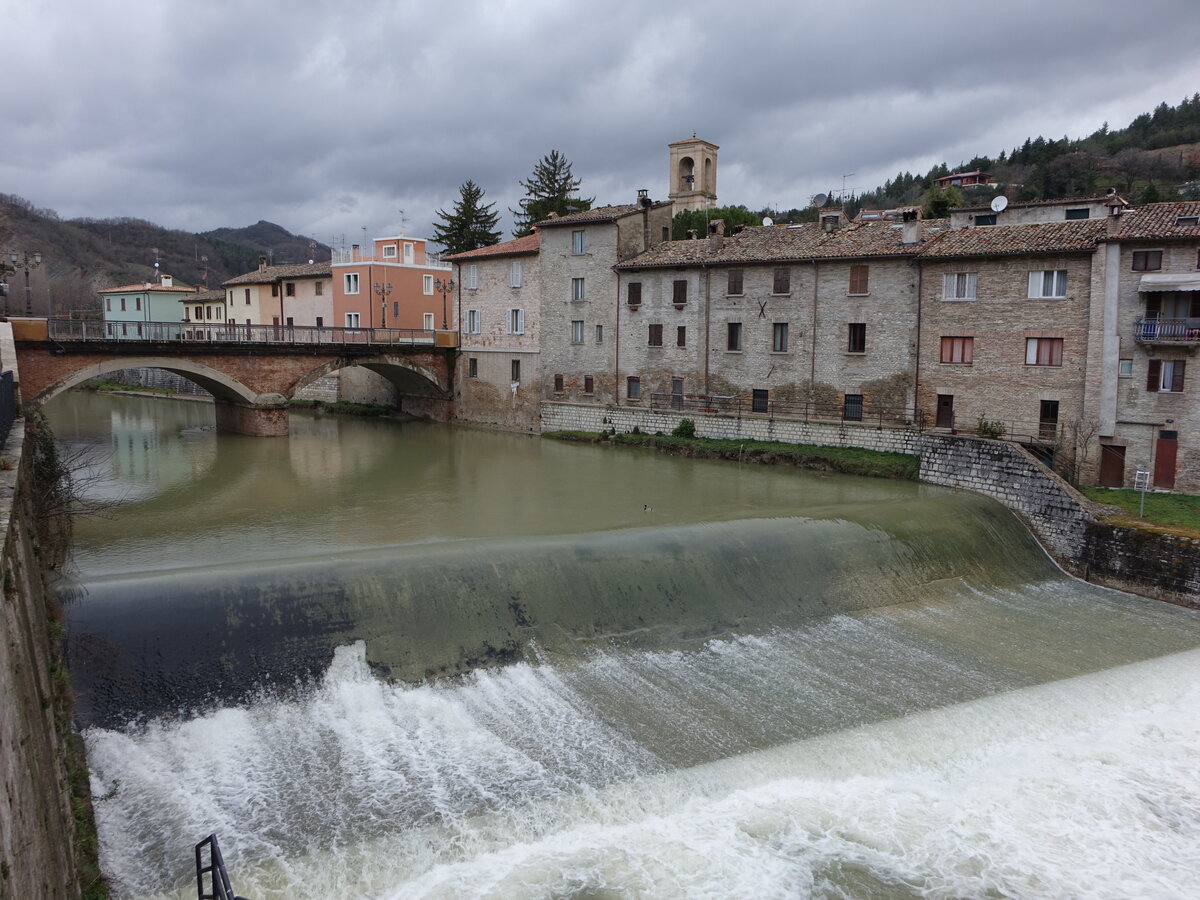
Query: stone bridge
point(251, 378)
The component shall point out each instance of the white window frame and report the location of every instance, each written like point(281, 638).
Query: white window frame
point(957, 286)
point(351, 282)
point(427, 285)
point(515, 271)
point(1048, 284)
point(1124, 368)
point(516, 321)
point(353, 320)
point(427, 321)
point(472, 321)
point(389, 251)
point(578, 289)
point(578, 242)
point(472, 277)
point(577, 331)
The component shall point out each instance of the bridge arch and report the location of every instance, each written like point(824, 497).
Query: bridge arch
point(219, 384)
point(408, 375)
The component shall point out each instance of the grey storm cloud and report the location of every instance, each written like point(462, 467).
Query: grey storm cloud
point(329, 117)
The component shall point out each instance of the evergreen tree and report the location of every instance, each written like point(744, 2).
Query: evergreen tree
point(472, 224)
point(548, 190)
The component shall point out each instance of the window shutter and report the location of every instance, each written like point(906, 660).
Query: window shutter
point(1035, 284)
point(1177, 375)
point(1153, 374)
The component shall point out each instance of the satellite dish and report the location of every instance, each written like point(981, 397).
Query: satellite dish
point(820, 200)
point(767, 220)
point(999, 204)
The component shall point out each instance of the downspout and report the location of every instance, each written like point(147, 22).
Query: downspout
point(812, 376)
point(617, 349)
point(917, 370)
point(707, 322)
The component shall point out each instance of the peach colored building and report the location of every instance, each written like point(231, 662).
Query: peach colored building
point(391, 285)
point(300, 294)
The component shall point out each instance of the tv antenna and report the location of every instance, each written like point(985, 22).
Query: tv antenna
point(403, 223)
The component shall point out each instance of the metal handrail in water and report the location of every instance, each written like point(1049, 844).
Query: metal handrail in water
point(221, 887)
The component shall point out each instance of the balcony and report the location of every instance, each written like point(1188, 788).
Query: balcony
point(1167, 331)
point(347, 257)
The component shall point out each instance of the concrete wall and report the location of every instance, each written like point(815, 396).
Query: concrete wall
point(36, 856)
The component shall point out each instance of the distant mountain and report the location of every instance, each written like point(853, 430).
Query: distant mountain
point(83, 256)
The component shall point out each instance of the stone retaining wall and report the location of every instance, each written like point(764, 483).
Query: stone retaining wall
point(1153, 565)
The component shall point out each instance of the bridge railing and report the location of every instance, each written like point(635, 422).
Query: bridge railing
point(196, 332)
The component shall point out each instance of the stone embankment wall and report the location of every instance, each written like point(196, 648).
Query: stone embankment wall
point(36, 824)
point(1153, 565)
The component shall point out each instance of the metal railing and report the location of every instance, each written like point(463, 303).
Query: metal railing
point(1167, 330)
point(195, 332)
point(8, 404)
point(218, 877)
point(350, 257)
point(1018, 430)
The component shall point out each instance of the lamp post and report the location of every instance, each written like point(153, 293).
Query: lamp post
point(445, 287)
point(21, 261)
point(382, 290)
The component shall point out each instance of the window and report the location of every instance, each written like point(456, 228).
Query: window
point(1125, 368)
point(1082, 213)
point(275, 290)
point(733, 336)
point(427, 321)
point(599, 334)
point(1051, 283)
point(351, 283)
point(514, 273)
point(589, 384)
point(655, 335)
point(318, 288)
point(558, 384)
point(1147, 260)
point(985, 219)
point(427, 284)
point(681, 336)
point(108, 303)
point(1043, 351)
point(666, 233)
point(352, 320)
point(389, 251)
point(1187, 220)
point(290, 322)
point(858, 279)
point(199, 316)
point(779, 337)
point(959, 350)
point(289, 289)
point(137, 303)
point(395, 311)
point(248, 290)
point(577, 331)
point(852, 407)
point(760, 400)
point(735, 282)
point(472, 277)
point(320, 321)
point(472, 321)
point(472, 367)
point(783, 281)
point(516, 371)
point(408, 254)
point(122, 304)
point(958, 286)
point(577, 289)
point(633, 293)
point(633, 387)
point(208, 312)
point(516, 321)
point(679, 292)
point(230, 296)
point(857, 342)
point(577, 243)
point(1165, 375)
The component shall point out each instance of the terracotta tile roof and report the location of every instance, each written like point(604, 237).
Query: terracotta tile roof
point(756, 244)
point(592, 216)
point(1055, 201)
point(1073, 236)
point(145, 287)
point(267, 274)
point(1157, 221)
point(531, 243)
point(216, 294)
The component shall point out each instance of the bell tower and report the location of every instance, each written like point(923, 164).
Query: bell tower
point(692, 179)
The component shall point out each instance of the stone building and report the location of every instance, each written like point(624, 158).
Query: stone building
point(692, 174)
point(498, 292)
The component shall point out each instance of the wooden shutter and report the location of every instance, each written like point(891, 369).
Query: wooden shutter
point(858, 279)
point(1153, 375)
point(1177, 375)
point(679, 292)
point(735, 282)
point(634, 296)
point(656, 335)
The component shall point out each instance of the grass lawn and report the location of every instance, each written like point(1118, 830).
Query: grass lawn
point(1179, 513)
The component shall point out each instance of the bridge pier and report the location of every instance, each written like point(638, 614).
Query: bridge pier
point(266, 418)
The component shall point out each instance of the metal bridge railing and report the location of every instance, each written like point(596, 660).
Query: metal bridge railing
point(8, 404)
point(195, 332)
point(218, 878)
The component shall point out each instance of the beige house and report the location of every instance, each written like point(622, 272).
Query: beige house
point(299, 295)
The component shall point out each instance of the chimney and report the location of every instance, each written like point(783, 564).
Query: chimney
point(168, 281)
point(692, 234)
point(829, 222)
point(644, 197)
point(716, 227)
point(910, 230)
point(262, 262)
point(355, 253)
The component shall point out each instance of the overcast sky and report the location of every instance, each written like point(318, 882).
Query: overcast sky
point(327, 117)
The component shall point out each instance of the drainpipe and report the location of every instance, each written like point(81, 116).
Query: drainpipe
point(707, 322)
point(617, 348)
point(812, 377)
point(917, 370)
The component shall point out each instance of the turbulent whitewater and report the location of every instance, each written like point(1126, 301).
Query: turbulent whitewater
point(407, 661)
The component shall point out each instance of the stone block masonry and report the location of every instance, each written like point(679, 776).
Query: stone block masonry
point(1153, 565)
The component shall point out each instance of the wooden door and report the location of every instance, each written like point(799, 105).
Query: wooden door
point(1165, 450)
point(1112, 466)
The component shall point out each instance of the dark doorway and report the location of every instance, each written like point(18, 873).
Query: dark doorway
point(852, 411)
point(758, 401)
point(676, 393)
point(1112, 466)
point(1166, 448)
point(1048, 419)
point(945, 411)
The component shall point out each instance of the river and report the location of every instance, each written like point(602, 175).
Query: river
point(399, 660)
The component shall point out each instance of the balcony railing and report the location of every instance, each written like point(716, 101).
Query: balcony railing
point(196, 332)
point(347, 257)
point(1167, 331)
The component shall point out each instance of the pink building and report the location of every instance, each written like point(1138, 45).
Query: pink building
point(391, 285)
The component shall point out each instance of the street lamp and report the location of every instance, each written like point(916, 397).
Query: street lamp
point(445, 287)
point(21, 261)
point(383, 290)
